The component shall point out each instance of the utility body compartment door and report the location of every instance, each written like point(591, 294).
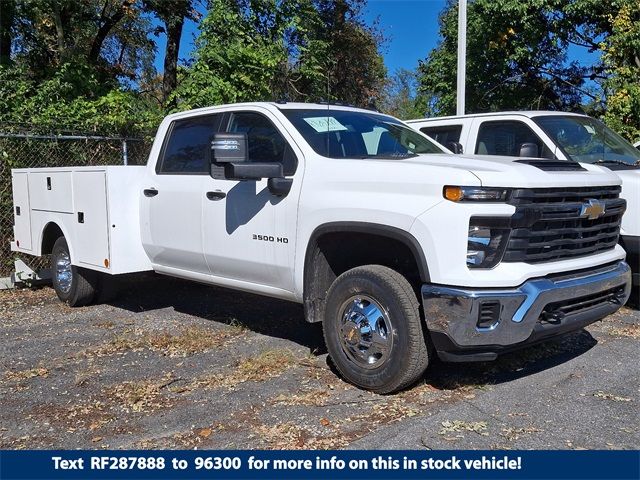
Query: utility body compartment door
point(21, 210)
point(90, 218)
point(51, 191)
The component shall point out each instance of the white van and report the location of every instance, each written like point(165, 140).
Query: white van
point(553, 136)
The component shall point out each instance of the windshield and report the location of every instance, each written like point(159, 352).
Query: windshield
point(585, 139)
point(348, 134)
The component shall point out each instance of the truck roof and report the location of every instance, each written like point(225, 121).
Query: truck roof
point(523, 113)
point(278, 105)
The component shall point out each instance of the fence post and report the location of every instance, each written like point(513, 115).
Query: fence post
point(125, 158)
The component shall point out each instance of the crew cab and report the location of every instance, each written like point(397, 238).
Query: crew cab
point(402, 250)
point(555, 136)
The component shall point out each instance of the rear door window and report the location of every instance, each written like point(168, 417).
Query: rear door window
point(185, 150)
point(444, 134)
point(506, 137)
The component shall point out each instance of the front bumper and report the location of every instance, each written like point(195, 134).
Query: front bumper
point(477, 324)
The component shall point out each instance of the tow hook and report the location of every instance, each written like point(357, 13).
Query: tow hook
point(553, 317)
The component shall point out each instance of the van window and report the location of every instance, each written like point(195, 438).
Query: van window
point(505, 137)
point(185, 151)
point(444, 134)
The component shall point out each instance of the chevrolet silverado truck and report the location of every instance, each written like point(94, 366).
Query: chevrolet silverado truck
point(402, 250)
point(555, 136)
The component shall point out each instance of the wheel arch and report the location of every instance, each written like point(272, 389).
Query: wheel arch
point(318, 273)
point(48, 236)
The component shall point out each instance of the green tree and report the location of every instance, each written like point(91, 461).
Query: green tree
point(515, 60)
point(621, 60)
point(293, 50)
point(400, 95)
point(238, 54)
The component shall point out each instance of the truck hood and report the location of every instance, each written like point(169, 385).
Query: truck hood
point(495, 171)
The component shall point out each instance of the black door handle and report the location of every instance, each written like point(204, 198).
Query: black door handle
point(217, 195)
point(150, 192)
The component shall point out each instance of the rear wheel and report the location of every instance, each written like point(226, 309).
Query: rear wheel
point(373, 329)
point(74, 285)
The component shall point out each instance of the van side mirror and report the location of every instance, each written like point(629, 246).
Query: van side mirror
point(455, 147)
point(528, 150)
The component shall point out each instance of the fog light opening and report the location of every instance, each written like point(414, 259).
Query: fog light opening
point(488, 315)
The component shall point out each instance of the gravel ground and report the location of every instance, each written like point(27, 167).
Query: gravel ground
point(173, 364)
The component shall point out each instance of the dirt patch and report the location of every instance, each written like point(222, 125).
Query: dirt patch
point(267, 365)
point(190, 341)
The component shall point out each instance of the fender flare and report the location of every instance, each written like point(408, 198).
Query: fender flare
point(375, 229)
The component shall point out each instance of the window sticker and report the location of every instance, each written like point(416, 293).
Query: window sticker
point(325, 124)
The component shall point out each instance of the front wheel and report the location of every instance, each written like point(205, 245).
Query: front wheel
point(74, 285)
point(373, 330)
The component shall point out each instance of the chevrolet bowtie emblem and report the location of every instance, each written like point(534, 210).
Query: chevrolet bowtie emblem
point(592, 209)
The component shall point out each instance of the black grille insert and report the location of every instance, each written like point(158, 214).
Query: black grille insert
point(555, 312)
point(550, 224)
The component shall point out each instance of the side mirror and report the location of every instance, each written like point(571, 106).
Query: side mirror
point(529, 150)
point(455, 147)
point(252, 170)
point(229, 147)
point(230, 161)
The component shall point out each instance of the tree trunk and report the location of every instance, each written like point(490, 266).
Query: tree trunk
point(170, 78)
point(104, 30)
point(7, 12)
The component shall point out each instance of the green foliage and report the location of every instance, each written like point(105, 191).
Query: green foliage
point(517, 59)
point(514, 60)
point(621, 57)
point(400, 98)
point(73, 99)
point(251, 50)
point(238, 55)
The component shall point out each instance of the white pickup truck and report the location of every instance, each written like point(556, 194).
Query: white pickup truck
point(557, 136)
point(399, 248)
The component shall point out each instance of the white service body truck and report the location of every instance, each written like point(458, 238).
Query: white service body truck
point(401, 249)
point(555, 136)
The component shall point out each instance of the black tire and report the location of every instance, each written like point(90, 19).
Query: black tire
point(408, 353)
point(81, 289)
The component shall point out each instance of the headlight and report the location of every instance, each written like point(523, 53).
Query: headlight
point(475, 194)
point(485, 245)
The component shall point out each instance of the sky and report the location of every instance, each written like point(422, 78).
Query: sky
point(411, 27)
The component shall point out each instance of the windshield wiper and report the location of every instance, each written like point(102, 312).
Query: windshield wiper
point(391, 156)
point(616, 162)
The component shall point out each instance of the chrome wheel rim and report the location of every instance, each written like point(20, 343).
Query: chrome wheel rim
point(64, 275)
point(366, 333)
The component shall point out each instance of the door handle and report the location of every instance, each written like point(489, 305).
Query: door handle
point(150, 192)
point(217, 195)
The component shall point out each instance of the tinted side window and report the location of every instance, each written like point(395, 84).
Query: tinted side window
point(185, 150)
point(264, 142)
point(506, 138)
point(445, 134)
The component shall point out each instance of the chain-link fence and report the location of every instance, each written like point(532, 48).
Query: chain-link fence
point(24, 150)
